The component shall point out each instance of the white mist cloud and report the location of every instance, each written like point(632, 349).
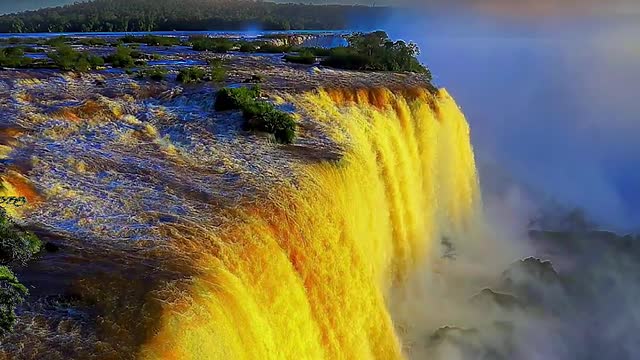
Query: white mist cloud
point(552, 104)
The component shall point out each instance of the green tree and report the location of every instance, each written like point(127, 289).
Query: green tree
point(16, 246)
point(168, 15)
point(376, 52)
point(12, 294)
point(66, 58)
point(122, 57)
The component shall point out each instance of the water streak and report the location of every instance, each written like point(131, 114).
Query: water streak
point(306, 274)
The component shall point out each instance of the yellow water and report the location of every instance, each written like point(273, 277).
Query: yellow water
point(305, 274)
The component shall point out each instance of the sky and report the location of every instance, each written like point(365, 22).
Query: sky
point(551, 100)
point(9, 6)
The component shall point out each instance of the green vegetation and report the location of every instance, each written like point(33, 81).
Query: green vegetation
point(376, 52)
point(155, 73)
point(12, 294)
point(316, 51)
point(13, 57)
point(259, 115)
point(304, 57)
point(16, 246)
point(91, 41)
point(66, 58)
point(249, 47)
point(219, 45)
point(271, 48)
point(263, 47)
point(263, 116)
point(169, 15)
point(216, 73)
point(123, 57)
point(191, 75)
point(151, 40)
point(31, 49)
point(18, 40)
point(56, 41)
point(218, 70)
point(233, 99)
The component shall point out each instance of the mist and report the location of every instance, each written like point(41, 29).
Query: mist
point(551, 100)
point(552, 104)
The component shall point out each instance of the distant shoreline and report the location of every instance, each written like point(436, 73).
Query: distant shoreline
point(222, 33)
point(190, 15)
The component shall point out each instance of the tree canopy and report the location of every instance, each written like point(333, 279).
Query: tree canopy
point(169, 15)
point(376, 52)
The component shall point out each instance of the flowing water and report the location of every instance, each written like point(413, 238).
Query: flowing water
point(307, 274)
point(184, 237)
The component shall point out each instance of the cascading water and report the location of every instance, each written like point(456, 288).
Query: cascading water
point(306, 274)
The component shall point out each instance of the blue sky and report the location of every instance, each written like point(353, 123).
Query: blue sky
point(8, 6)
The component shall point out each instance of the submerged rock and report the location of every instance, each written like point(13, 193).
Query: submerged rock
point(534, 281)
point(488, 298)
point(493, 342)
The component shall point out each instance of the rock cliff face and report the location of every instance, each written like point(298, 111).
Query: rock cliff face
point(307, 40)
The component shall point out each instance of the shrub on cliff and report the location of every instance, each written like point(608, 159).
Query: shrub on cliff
point(218, 45)
point(14, 57)
point(155, 73)
point(66, 58)
point(317, 51)
point(263, 116)
point(16, 245)
point(91, 41)
point(304, 57)
point(249, 47)
point(122, 57)
point(258, 115)
point(151, 40)
point(376, 52)
point(218, 71)
point(191, 74)
point(12, 294)
point(236, 98)
point(56, 41)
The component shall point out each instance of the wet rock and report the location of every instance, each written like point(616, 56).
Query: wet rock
point(51, 247)
point(488, 298)
point(537, 269)
point(535, 282)
point(451, 332)
point(493, 342)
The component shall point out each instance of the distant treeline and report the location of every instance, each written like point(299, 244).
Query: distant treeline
point(169, 15)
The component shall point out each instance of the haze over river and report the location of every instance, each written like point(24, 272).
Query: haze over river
point(553, 101)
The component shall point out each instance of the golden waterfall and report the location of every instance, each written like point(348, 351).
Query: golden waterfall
point(306, 274)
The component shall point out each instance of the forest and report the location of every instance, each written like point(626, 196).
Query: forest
point(186, 15)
